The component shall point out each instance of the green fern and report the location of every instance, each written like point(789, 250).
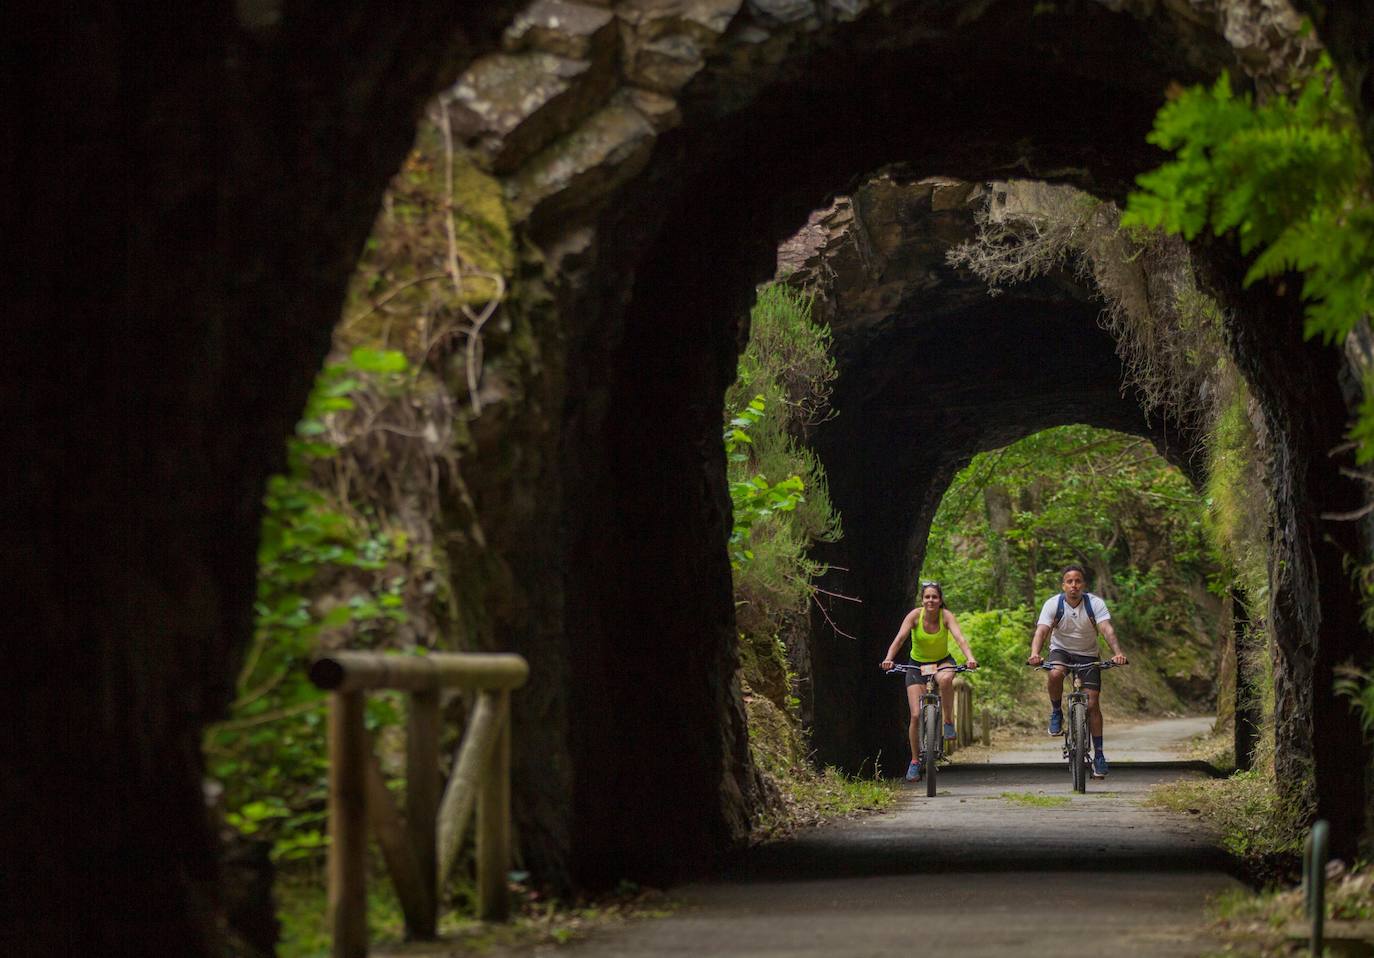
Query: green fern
point(1289, 177)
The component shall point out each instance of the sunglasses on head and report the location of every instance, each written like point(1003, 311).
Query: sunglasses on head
point(928, 583)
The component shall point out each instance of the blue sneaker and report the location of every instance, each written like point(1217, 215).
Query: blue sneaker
point(1056, 722)
point(1099, 765)
point(913, 772)
point(949, 730)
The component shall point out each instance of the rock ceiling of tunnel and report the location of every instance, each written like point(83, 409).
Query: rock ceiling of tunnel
point(916, 339)
point(571, 106)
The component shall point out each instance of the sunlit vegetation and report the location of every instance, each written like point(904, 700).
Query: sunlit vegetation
point(349, 554)
point(781, 507)
point(1015, 517)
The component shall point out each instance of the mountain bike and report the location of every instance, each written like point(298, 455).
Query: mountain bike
point(929, 726)
point(1078, 743)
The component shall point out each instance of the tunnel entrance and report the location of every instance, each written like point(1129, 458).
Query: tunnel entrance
point(932, 371)
point(653, 158)
point(1107, 502)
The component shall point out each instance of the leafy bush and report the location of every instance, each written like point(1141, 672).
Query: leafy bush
point(777, 487)
point(322, 566)
point(1000, 640)
point(781, 507)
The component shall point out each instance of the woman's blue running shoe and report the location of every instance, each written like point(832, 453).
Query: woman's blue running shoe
point(949, 730)
point(1056, 722)
point(913, 772)
point(1100, 766)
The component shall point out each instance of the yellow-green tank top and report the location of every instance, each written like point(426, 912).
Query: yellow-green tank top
point(928, 646)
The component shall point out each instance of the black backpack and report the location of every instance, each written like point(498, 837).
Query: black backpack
point(1059, 612)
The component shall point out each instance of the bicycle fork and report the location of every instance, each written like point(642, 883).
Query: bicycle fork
point(931, 700)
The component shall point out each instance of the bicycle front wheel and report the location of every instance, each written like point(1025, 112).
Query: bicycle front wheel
point(930, 723)
point(1078, 746)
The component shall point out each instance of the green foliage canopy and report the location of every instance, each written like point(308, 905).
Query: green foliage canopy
point(1079, 495)
point(1290, 177)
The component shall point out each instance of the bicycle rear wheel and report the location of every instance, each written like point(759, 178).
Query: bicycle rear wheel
point(930, 724)
point(1078, 745)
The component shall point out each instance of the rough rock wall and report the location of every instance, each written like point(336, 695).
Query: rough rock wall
point(197, 187)
point(1306, 395)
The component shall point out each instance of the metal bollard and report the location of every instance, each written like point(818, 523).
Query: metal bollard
point(1314, 879)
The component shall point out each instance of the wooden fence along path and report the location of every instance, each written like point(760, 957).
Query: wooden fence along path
point(420, 852)
point(963, 718)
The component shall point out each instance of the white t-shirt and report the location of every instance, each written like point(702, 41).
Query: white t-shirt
point(1075, 632)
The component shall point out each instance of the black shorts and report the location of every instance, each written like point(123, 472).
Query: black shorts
point(1092, 678)
point(916, 678)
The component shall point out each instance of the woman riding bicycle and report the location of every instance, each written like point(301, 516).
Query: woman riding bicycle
point(929, 627)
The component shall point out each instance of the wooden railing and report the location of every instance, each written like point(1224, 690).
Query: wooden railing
point(963, 718)
point(420, 852)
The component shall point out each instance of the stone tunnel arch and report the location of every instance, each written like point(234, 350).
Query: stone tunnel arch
point(677, 254)
point(272, 132)
point(932, 370)
point(660, 211)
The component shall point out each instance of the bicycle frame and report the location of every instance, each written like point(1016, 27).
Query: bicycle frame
point(931, 742)
point(1077, 736)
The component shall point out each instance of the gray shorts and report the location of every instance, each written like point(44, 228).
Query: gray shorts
point(1092, 678)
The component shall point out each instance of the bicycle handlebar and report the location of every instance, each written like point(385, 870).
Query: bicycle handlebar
point(916, 668)
point(1076, 667)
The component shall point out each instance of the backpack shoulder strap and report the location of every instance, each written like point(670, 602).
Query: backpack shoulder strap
point(1088, 601)
point(1058, 613)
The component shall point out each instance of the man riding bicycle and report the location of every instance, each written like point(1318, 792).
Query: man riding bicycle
point(1073, 620)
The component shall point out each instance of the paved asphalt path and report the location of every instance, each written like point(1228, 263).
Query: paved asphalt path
point(1125, 742)
point(971, 872)
point(976, 870)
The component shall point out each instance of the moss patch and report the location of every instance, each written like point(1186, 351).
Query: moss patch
point(1036, 799)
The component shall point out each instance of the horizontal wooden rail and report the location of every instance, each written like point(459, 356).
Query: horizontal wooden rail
point(354, 671)
point(419, 853)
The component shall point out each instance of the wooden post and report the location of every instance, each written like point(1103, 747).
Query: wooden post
point(987, 727)
point(493, 824)
point(422, 801)
point(419, 854)
point(347, 825)
point(461, 792)
point(395, 842)
point(963, 712)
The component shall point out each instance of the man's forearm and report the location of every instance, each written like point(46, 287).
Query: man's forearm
point(1110, 635)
